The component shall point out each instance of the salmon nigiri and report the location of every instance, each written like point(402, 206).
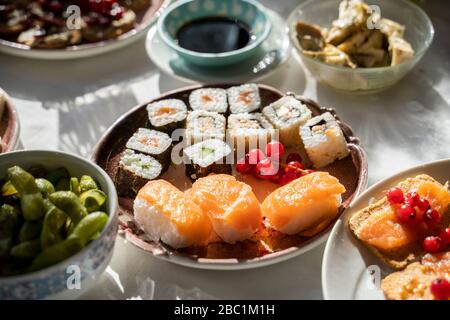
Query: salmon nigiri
point(231, 205)
point(165, 213)
point(303, 203)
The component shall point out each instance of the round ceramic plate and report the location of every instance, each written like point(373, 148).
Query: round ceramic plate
point(351, 171)
point(274, 51)
point(9, 124)
point(144, 22)
point(349, 270)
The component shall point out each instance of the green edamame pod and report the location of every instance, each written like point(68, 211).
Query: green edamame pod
point(68, 202)
point(75, 185)
point(37, 171)
point(27, 249)
point(30, 230)
point(57, 174)
point(89, 226)
point(9, 220)
point(56, 253)
point(93, 199)
point(45, 186)
point(32, 203)
point(87, 183)
point(8, 189)
point(54, 221)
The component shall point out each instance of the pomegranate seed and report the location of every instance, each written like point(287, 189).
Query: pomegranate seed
point(445, 236)
point(423, 204)
point(440, 288)
point(288, 177)
point(431, 217)
point(55, 6)
point(275, 150)
point(294, 157)
point(265, 169)
point(412, 198)
point(295, 167)
point(432, 244)
point(395, 196)
point(406, 213)
point(255, 156)
point(243, 167)
point(117, 12)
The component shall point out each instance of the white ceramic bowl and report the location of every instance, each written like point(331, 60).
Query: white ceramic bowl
point(51, 282)
point(419, 32)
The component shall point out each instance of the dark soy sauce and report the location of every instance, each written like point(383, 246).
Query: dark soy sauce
point(214, 35)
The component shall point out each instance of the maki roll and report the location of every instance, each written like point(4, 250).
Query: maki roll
point(251, 130)
point(167, 115)
point(324, 140)
point(209, 99)
point(135, 170)
point(202, 125)
point(244, 98)
point(152, 142)
point(287, 115)
point(207, 157)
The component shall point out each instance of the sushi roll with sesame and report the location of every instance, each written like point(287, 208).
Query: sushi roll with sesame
point(209, 156)
point(202, 125)
point(167, 115)
point(154, 143)
point(249, 130)
point(209, 99)
point(287, 115)
point(135, 170)
point(244, 98)
point(324, 140)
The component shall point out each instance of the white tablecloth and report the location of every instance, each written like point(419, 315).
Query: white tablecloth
point(67, 105)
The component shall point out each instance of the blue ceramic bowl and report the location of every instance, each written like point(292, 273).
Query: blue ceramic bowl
point(60, 280)
point(181, 12)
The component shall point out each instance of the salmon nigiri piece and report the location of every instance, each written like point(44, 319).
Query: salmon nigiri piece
point(303, 203)
point(165, 213)
point(231, 205)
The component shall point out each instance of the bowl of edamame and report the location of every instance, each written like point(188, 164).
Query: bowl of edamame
point(58, 224)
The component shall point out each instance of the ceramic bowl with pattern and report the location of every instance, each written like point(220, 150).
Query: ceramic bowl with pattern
point(250, 12)
point(72, 277)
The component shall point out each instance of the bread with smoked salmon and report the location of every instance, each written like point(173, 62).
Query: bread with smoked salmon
point(395, 243)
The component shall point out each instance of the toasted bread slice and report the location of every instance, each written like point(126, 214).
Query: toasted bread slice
point(402, 256)
point(414, 282)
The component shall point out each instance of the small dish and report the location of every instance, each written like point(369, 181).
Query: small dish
point(349, 270)
point(249, 12)
point(272, 52)
point(91, 261)
point(144, 21)
point(9, 124)
point(419, 32)
point(351, 171)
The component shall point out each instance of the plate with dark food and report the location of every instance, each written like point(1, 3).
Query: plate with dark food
point(61, 29)
point(231, 176)
point(9, 124)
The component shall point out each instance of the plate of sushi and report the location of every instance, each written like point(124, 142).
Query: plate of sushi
point(60, 29)
point(9, 124)
point(231, 176)
point(394, 241)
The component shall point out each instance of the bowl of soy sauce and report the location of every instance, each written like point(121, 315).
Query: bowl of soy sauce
point(214, 32)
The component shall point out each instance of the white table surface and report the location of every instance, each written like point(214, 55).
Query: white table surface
point(67, 105)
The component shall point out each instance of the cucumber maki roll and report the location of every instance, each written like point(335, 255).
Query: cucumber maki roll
point(203, 125)
point(155, 143)
point(209, 156)
point(244, 98)
point(167, 115)
point(209, 99)
point(323, 140)
point(249, 130)
point(287, 115)
point(135, 170)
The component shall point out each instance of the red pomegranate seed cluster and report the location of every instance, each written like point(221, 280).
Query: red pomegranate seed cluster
point(268, 165)
point(412, 209)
